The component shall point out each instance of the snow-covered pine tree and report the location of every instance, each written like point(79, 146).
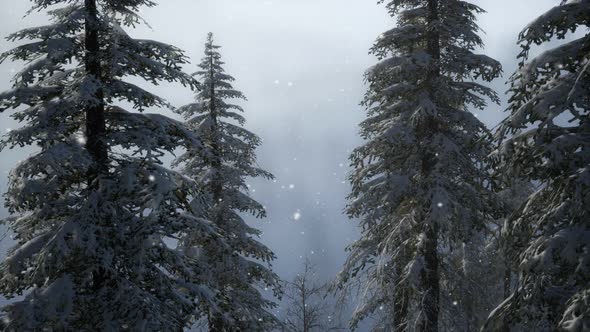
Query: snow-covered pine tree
point(480, 266)
point(546, 138)
point(421, 181)
point(94, 205)
point(236, 272)
point(468, 272)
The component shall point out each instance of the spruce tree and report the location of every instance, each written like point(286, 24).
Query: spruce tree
point(93, 206)
point(478, 274)
point(420, 184)
point(235, 272)
point(546, 138)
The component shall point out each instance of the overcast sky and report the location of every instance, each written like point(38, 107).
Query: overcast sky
point(300, 63)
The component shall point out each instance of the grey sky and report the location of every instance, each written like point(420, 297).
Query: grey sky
point(300, 63)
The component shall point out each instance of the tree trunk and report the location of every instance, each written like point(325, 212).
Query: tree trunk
point(507, 290)
point(94, 111)
point(304, 302)
point(95, 117)
point(430, 280)
point(215, 144)
point(216, 323)
point(429, 247)
point(507, 278)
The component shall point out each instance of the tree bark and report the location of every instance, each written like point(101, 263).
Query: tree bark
point(507, 289)
point(216, 323)
point(95, 117)
point(507, 277)
point(429, 247)
point(215, 143)
point(430, 280)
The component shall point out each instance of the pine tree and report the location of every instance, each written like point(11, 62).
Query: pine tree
point(546, 138)
point(420, 184)
point(468, 272)
point(94, 206)
point(477, 275)
point(233, 272)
